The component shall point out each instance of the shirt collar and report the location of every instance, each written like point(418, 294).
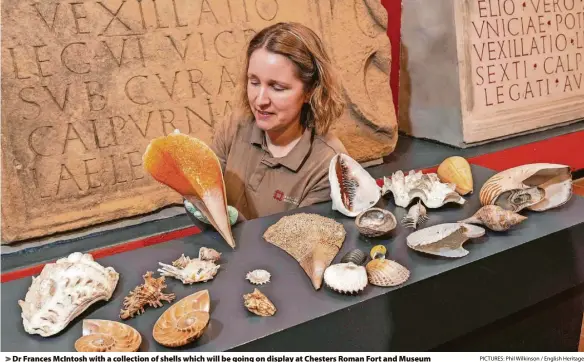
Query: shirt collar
point(292, 160)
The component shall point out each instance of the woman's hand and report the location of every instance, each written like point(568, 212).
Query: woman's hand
point(234, 215)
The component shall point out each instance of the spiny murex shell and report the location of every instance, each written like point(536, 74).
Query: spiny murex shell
point(150, 293)
point(189, 270)
point(416, 216)
point(375, 222)
point(64, 290)
point(427, 187)
point(185, 321)
point(444, 239)
point(495, 218)
point(536, 186)
point(258, 276)
point(259, 304)
point(209, 254)
point(386, 273)
point(107, 336)
point(346, 278)
point(352, 188)
point(456, 170)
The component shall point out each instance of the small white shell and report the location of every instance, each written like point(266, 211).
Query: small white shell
point(346, 278)
point(258, 277)
point(189, 270)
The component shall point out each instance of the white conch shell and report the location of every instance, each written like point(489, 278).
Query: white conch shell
point(444, 239)
point(353, 190)
point(189, 270)
point(536, 186)
point(346, 278)
point(258, 276)
point(64, 290)
point(427, 187)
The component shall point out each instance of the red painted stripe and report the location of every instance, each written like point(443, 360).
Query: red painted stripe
point(107, 251)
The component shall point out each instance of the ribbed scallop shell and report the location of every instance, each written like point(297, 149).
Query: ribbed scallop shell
point(346, 278)
point(456, 170)
point(375, 222)
point(386, 273)
point(108, 336)
point(183, 322)
point(355, 256)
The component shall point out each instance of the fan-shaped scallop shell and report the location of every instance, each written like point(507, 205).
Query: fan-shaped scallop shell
point(375, 222)
point(456, 170)
point(183, 322)
point(386, 273)
point(355, 256)
point(258, 276)
point(346, 278)
point(108, 336)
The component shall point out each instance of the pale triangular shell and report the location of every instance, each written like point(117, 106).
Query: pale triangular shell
point(456, 170)
point(108, 336)
point(386, 273)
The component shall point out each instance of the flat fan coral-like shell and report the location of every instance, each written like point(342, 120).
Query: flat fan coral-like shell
point(456, 170)
point(191, 168)
point(108, 336)
point(184, 322)
point(346, 278)
point(313, 240)
point(444, 239)
point(353, 190)
point(63, 290)
point(258, 276)
point(427, 187)
point(375, 222)
point(536, 186)
point(386, 273)
point(495, 218)
point(189, 270)
point(259, 304)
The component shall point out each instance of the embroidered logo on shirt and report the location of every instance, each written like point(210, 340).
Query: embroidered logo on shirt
point(279, 195)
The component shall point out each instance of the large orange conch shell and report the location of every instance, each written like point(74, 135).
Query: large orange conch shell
point(456, 170)
point(536, 186)
point(185, 321)
point(191, 168)
point(108, 336)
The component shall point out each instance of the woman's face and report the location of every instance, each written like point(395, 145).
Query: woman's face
point(274, 92)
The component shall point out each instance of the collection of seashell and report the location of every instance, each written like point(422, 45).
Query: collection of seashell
point(189, 270)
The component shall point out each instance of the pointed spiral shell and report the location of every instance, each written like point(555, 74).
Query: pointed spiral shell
point(108, 336)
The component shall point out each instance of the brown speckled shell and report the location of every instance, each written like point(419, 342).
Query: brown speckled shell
point(108, 336)
point(386, 273)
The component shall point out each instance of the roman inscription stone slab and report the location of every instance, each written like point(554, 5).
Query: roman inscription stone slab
point(87, 84)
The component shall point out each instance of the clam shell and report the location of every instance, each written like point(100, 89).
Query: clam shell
point(456, 170)
point(355, 256)
point(444, 239)
point(108, 336)
point(353, 190)
point(346, 278)
point(495, 218)
point(386, 273)
point(259, 304)
point(258, 276)
point(375, 222)
point(183, 322)
point(536, 186)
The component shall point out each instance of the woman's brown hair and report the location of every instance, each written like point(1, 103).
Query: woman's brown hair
point(305, 49)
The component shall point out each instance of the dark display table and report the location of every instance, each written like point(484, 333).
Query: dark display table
point(517, 290)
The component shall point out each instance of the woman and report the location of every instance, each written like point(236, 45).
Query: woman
point(276, 149)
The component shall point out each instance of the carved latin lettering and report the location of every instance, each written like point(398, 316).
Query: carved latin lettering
point(229, 10)
point(171, 91)
point(227, 109)
point(121, 58)
point(225, 78)
point(117, 180)
point(41, 133)
point(142, 15)
point(99, 141)
point(40, 61)
point(133, 97)
point(196, 79)
point(176, 18)
point(206, 8)
point(70, 67)
point(135, 162)
point(29, 101)
point(62, 104)
point(15, 65)
point(248, 34)
point(77, 16)
point(143, 133)
point(265, 11)
point(191, 112)
point(90, 182)
point(65, 175)
point(156, 13)
point(114, 16)
point(203, 47)
point(97, 101)
point(51, 26)
point(181, 53)
point(165, 121)
point(72, 135)
point(220, 36)
point(35, 178)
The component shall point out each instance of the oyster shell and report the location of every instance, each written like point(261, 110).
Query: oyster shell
point(444, 239)
point(64, 290)
point(189, 270)
point(346, 278)
point(259, 304)
point(427, 187)
point(375, 222)
point(149, 293)
point(536, 186)
point(495, 218)
point(352, 188)
point(108, 336)
point(416, 216)
point(456, 170)
point(185, 321)
point(386, 273)
point(209, 254)
point(355, 256)
point(191, 168)
point(313, 240)
point(258, 276)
